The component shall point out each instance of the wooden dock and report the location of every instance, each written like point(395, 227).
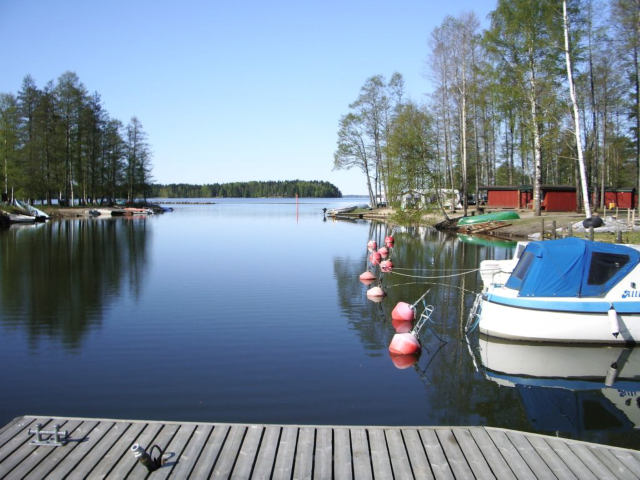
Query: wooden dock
point(101, 448)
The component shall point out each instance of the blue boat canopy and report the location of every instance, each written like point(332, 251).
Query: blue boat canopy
point(571, 267)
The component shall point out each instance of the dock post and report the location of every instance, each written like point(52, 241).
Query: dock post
point(553, 230)
point(591, 233)
point(542, 229)
point(569, 229)
point(619, 235)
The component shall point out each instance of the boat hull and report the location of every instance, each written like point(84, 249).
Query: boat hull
point(18, 218)
point(543, 324)
point(488, 217)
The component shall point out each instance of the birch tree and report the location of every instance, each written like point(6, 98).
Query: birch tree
point(576, 114)
point(522, 38)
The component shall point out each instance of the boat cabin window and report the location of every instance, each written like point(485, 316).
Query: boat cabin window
point(605, 266)
point(521, 270)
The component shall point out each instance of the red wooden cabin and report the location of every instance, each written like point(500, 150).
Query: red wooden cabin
point(620, 197)
point(501, 197)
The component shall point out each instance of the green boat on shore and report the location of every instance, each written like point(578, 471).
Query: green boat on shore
point(489, 217)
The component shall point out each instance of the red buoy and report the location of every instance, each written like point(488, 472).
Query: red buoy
point(383, 251)
point(404, 344)
point(388, 240)
point(404, 361)
point(372, 245)
point(374, 258)
point(376, 292)
point(386, 266)
point(367, 276)
point(404, 312)
point(402, 326)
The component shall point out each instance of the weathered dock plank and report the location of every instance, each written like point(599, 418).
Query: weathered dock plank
point(173, 451)
point(286, 452)
point(81, 451)
point(612, 462)
point(492, 455)
point(455, 457)
point(184, 463)
point(229, 452)
point(361, 455)
point(304, 454)
point(95, 455)
point(380, 454)
point(248, 452)
point(105, 460)
point(101, 448)
point(267, 455)
point(211, 451)
point(324, 454)
point(59, 456)
point(559, 468)
point(343, 467)
point(417, 454)
point(400, 464)
point(530, 455)
point(510, 454)
point(435, 454)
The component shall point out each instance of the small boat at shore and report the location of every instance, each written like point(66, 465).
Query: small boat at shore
point(18, 218)
point(568, 291)
point(488, 217)
point(137, 211)
point(339, 211)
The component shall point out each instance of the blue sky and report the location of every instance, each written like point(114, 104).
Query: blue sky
point(228, 91)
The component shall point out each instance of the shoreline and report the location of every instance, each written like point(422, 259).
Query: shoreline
point(524, 228)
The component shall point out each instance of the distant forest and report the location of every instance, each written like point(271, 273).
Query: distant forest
point(287, 188)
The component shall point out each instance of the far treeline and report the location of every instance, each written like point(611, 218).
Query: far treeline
point(549, 94)
point(58, 142)
point(287, 189)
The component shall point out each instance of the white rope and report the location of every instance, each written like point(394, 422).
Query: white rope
point(431, 269)
point(441, 276)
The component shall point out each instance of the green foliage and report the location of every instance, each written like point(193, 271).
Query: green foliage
point(408, 217)
point(285, 189)
point(61, 143)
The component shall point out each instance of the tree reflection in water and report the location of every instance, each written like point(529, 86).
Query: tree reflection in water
point(57, 278)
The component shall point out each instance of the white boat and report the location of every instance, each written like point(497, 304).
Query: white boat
point(138, 211)
point(339, 211)
point(568, 290)
point(18, 218)
point(566, 387)
point(39, 214)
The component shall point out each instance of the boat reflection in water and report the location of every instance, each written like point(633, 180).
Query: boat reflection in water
point(568, 389)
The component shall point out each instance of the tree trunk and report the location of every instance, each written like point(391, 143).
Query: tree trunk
point(576, 115)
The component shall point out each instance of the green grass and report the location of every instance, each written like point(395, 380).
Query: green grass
point(610, 237)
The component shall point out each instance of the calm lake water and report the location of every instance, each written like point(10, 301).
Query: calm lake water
point(249, 311)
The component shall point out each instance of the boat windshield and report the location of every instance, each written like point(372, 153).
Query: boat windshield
point(604, 266)
point(521, 270)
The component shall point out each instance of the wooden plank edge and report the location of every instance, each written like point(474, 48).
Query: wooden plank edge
point(567, 440)
point(10, 424)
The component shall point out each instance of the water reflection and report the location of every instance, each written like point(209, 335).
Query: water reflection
point(58, 278)
point(568, 389)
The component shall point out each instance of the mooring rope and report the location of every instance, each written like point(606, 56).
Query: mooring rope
point(440, 276)
point(431, 269)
